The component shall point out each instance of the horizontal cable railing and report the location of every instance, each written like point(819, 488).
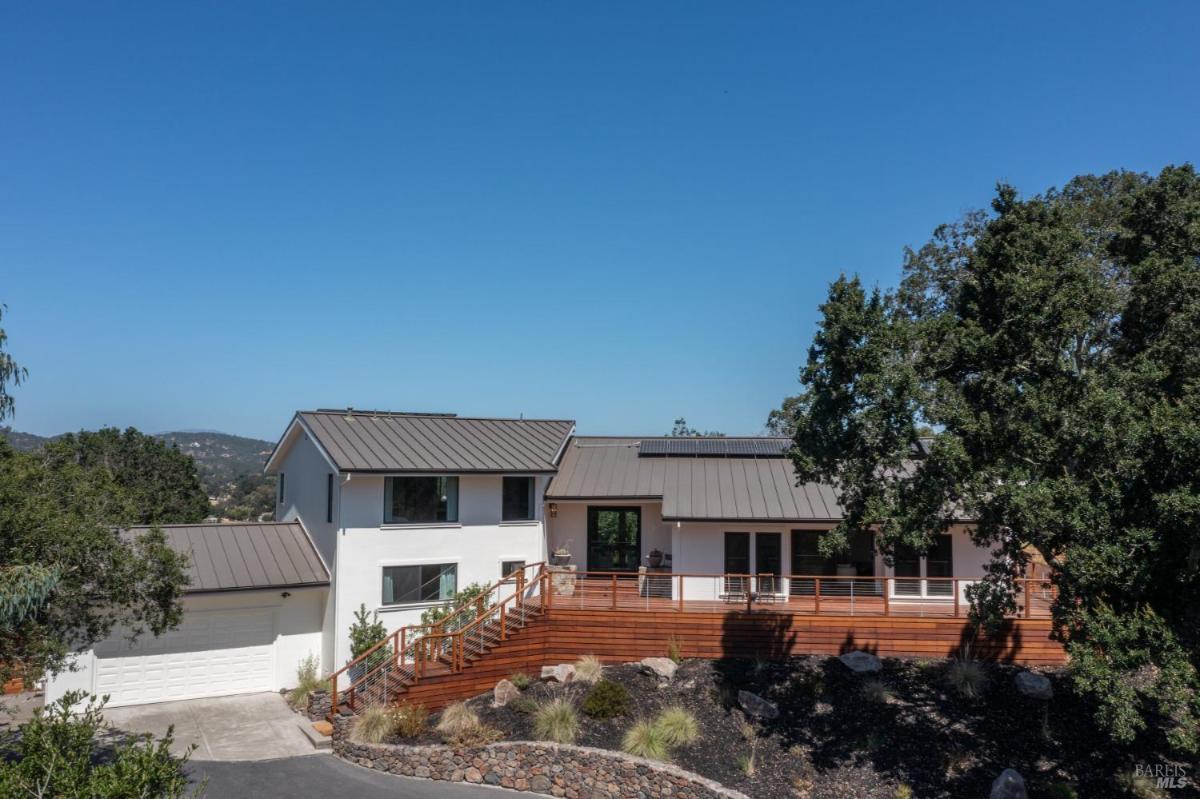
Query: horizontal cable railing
point(453, 642)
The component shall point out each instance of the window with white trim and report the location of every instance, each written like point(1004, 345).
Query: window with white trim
point(426, 582)
point(517, 503)
point(508, 567)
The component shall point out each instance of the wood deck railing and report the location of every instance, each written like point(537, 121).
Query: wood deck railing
point(452, 643)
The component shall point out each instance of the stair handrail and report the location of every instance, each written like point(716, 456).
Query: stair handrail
point(402, 642)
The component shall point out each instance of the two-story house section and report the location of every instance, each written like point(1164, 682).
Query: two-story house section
point(407, 508)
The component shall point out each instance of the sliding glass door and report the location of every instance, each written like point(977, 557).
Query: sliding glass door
point(768, 562)
point(912, 570)
point(614, 539)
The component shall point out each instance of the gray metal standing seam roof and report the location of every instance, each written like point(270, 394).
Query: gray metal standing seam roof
point(693, 487)
point(231, 557)
point(382, 442)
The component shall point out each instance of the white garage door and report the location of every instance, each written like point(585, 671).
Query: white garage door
point(212, 653)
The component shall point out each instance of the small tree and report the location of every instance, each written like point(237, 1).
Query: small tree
point(367, 631)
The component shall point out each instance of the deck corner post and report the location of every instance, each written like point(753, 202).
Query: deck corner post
point(816, 596)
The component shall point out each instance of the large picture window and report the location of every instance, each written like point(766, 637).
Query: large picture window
point(420, 500)
point(428, 582)
point(518, 499)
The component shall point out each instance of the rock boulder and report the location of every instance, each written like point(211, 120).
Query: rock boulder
point(861, 662)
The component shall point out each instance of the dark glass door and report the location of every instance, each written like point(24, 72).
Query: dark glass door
point(737, 562)
point(907, 564)
point(768, 561)
point(614, 539)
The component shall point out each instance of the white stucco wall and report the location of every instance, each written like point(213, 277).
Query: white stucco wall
point(478, 543)
point(297, 624)
point(569, 529)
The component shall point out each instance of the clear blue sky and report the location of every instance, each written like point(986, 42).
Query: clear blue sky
point(212, 214)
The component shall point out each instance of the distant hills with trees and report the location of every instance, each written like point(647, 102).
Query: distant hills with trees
point(230, 468)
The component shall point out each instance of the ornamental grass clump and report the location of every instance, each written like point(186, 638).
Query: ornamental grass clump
point(967, 677)
point(645, 739)
point(588, 669)
point(678, 726)
point(410, 720)
point(606, 700)
point(556, 721)
point(308, 681)
point(457, 718)
point(374, 725)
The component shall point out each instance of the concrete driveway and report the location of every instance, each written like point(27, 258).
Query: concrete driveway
point(327, 776)
point(248, 727)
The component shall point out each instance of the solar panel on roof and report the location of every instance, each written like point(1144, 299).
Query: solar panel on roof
point(714, 447)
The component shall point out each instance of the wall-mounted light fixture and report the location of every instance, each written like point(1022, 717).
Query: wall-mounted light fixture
point(286, 594)
point(553, 510)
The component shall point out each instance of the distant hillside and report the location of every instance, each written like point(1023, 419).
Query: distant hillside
point(222, 457)
point(230, 468)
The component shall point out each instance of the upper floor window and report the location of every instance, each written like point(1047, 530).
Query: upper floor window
point(420, 500)
point(518, 499)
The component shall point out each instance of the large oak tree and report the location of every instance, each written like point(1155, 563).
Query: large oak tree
point(1051, 348)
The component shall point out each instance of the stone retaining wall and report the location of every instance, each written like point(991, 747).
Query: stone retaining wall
point(574, 772)
point(320, 705)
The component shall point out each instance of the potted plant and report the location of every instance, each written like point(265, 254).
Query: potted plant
point(366, 632)
point(655, 558)
point(560, 557)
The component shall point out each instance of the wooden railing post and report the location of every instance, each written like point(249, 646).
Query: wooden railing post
point(749, 593)
point(333, 692)
point(1028, 600)
point(954, 586)
point(503, 623)
point(548, 591)
point(614, 590)
point(887, 595)
point(680, 600)
point(817, 596)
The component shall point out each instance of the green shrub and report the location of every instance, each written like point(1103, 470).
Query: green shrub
point(589, 669)
point(675, 649)
point(645, 739)
point(308, 681)
point(520, 679)
point(410, 721)
point(556, 721)
point(1061, 790)
point(678, 726)
point(967, 677)
point(59, 753)
point(606, 700)
point(522, 704)
point(467, 596)
point(747, 765)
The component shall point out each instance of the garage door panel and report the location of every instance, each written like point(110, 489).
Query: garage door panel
point(212, 653)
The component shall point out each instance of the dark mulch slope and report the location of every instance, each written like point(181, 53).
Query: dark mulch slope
point(832, 741)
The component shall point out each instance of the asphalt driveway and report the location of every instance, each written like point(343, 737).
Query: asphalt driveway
point(248, 727)
point(324, 776)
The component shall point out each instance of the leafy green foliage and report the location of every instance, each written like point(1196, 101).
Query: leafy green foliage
point(155, 482)
point(58, 755)
point(1048, 351)
point(61, 517)
point(10, 371)
point(520, 679)
point(681, 429)
point(606, 699)
point(467, 596)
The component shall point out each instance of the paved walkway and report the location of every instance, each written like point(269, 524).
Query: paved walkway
point(326, 776)
point(248, 727)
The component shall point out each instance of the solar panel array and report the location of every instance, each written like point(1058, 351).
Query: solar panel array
point(714, 447)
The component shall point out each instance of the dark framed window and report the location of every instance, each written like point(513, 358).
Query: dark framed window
point(420, 500)
point(428, 582)
point(509, 566)
point(281, 476)
point(518, 499)
point(614, 538)
point(329, 498)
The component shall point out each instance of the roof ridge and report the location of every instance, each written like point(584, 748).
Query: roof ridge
point(212, 524)
point(420, 415)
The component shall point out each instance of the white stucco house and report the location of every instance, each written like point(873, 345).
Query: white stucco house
point(397, 511)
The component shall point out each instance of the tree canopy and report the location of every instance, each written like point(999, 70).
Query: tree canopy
point(68, 576)
point(1049, 350)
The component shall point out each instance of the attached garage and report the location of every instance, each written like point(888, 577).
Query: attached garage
point(254, 610)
